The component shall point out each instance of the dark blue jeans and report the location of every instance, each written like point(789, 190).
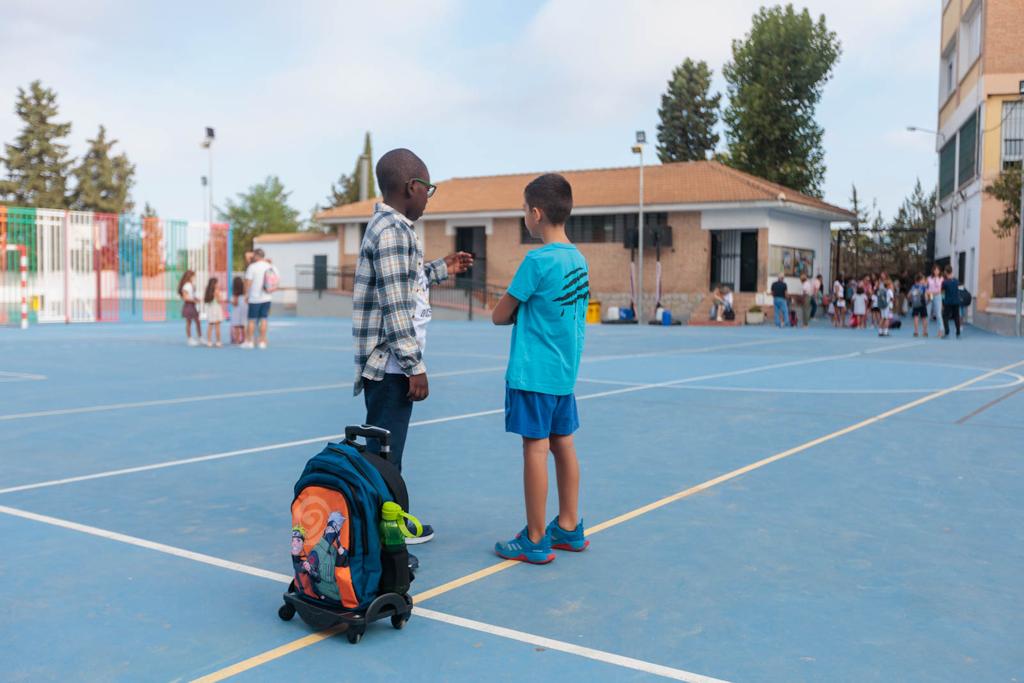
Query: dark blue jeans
point(388, 406)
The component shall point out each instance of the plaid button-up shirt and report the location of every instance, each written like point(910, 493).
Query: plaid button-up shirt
point(382, 297)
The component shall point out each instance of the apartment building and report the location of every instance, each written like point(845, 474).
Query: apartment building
point(980, 134)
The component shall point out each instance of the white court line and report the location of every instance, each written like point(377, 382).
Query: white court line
point(418, 423)
point(434, 615)
point(7, 376)
point(570, 648)
point(325, 387)
point(883, 349)
point(215, 397)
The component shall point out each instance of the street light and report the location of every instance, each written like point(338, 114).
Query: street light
point(207, 144)
point(918, 129)
point(638, 148)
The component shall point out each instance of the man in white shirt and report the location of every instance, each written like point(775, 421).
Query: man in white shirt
point(806, 294)
point(258, 299)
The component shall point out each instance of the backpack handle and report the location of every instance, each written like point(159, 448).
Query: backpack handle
point(382, 435)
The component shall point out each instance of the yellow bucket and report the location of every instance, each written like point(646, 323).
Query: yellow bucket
point(594, 312)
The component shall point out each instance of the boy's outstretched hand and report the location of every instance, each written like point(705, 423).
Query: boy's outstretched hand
point(418, 388)
point(459, 262)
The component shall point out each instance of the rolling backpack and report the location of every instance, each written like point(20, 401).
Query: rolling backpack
point(342, 573)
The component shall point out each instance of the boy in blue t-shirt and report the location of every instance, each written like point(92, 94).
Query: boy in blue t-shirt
point(547, 304)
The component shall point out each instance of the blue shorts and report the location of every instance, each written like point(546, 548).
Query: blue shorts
point(257, 311)
point(538, 416)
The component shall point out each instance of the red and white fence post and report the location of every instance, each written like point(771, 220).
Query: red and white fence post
point(23, 265)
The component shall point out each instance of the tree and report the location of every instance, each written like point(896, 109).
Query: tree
point(346, 190)
point(688, 114)
point(905, 242)
point(149, 211)
point(103, 182)
point(263, 209)
point(775, 80)
point(1006, 188)
point(37, 162)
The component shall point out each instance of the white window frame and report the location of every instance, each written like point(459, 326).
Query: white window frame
point(1011, 124)
point(948, 77)
point(970, 37)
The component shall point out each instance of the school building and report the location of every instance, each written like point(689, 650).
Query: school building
point(707, 223)
point(980, 134)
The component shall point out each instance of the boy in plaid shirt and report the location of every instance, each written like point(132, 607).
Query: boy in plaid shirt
point(390, 302)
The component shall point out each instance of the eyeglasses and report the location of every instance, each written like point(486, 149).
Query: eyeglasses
point(431, 189)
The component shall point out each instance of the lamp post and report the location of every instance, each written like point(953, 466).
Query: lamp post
point(207, 144)
point(938, 198)
point(206, 201)
point(638, 148)
point(1020, 258)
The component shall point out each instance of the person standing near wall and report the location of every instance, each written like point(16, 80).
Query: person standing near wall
point(779, 291)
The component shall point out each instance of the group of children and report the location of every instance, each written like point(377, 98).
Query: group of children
point(213, 300)
point(878, 300)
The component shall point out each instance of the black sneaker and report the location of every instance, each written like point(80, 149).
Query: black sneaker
point(426, 533)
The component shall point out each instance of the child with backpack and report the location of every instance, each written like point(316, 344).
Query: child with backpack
point(214, 300)
point(950, 302)
point(918, 297)
point(546, 303)
point(239, 310)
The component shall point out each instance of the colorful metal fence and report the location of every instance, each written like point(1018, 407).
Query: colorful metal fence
point(98, 267)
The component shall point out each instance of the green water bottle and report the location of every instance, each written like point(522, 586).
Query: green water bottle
point(395, 577)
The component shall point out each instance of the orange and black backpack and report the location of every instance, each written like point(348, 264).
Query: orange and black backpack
point(336, 550)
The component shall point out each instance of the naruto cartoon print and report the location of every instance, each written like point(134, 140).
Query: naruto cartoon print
point(314, 573)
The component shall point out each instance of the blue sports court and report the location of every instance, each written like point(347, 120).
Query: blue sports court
point(763, 504)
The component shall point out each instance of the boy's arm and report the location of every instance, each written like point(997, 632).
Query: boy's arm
point(505, 312)
point(394, 293)
point(436, 271)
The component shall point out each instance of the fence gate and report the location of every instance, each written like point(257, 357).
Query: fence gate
point(102, 267)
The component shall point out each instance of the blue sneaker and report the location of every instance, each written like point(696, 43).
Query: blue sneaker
point(574, 541)
point(523, 549)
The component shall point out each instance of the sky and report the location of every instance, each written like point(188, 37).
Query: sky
point(475, 88)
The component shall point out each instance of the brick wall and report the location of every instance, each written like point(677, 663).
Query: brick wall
point(1004, 20)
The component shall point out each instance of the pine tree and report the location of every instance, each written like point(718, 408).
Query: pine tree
point(776, 78)
point(103, 182)
point(370, 180)
point(346, 190)
point(149, 211)
point(688, 114)
point(37, 162)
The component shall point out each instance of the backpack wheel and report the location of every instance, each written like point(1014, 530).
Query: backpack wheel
point(286, 612)
point(399, 620)
point(355, 636)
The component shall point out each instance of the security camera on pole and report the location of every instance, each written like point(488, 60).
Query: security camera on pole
point(638, 148)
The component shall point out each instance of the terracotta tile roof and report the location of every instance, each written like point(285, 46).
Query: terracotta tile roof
point(271, 237)
point(694, 182)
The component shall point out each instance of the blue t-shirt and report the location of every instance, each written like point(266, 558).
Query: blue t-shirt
point(552, 286)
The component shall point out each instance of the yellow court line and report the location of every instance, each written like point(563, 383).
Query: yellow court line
point(288, 648)
point(269, 655)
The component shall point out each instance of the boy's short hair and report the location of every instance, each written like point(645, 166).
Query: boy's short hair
point(552, 194)
point(396, 168)
point(259, 252)
point(948, 270)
